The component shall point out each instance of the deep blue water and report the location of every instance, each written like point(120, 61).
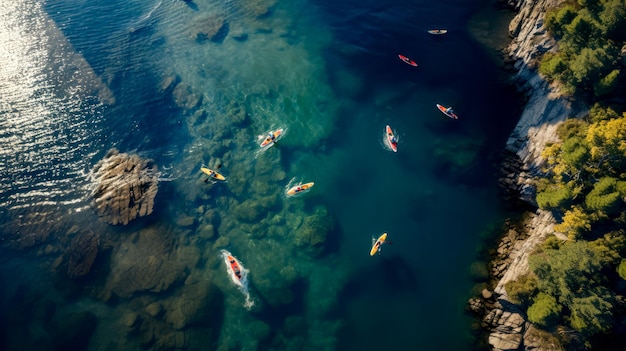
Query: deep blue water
point(79, 78)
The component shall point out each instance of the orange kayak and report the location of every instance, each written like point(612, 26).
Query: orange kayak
point(235, 270)
point(272, 138)
point(447, 111)
point(391, 139)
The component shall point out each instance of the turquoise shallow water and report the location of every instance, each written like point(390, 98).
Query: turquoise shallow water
point(79, 79)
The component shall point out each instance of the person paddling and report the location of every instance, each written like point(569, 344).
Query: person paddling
point(213, 173)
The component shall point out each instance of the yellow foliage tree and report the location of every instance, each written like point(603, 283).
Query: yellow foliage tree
point(575, 223)
point(607, 140)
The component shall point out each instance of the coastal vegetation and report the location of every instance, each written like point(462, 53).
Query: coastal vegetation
point(576, 280)
point(591, 34)
point(576, 284)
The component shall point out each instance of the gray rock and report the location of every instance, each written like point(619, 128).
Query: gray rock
point(154, 309)
point(126, 186)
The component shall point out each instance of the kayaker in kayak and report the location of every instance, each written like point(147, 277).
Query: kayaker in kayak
point(212, 174)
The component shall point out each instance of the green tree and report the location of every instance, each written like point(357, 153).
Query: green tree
point(572, 274)
point(592, 314)
point(599, 113)
point(607, 84)
point(568, 271)
point(552, 65)
point(522, 290)
point(572, 127)
point(611, 247)
point(557, 19)
point(580, 30)
point(544, 311)
point(605, 197)
point(613, 19)
point(589, 65)
point(554, 197)
point(575, 152)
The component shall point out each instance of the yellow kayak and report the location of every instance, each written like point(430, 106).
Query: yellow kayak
point(377, 244)
point(213, 174)
point(299, 188)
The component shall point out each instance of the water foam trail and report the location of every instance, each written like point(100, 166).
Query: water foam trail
point(242, 283)
point(294, 182)
point(137, 25)
point(249, 303)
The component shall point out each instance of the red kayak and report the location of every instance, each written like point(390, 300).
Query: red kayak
point(391, 139)
point(447, 111)
point(407, 60)
point(235, 270)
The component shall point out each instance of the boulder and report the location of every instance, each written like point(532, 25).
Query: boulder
point(126, 186)
point(154, 309)
point(314, 229)
point(131, 320)
point(145, 262)
point(191, 303)
point(185, 98)
point(212, 27)
point(82, 253)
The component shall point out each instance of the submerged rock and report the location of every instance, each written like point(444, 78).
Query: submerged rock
point(314, 229)
point(185, 98)
point(190, 305)
point(126, 187)
point(209, 28)
point(82, 253)
point(146, 263)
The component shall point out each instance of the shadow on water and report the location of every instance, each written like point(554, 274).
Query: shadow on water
point(192, 5)
point(276, 315)
point(394, 273)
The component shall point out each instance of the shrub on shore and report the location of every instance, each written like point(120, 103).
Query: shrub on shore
point(590, 35)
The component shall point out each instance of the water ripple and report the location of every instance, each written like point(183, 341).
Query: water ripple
point(50, 107)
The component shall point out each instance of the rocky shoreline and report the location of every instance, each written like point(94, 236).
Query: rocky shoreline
point(504, 323)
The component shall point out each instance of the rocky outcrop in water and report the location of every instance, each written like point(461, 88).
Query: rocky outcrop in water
point(125, 187)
